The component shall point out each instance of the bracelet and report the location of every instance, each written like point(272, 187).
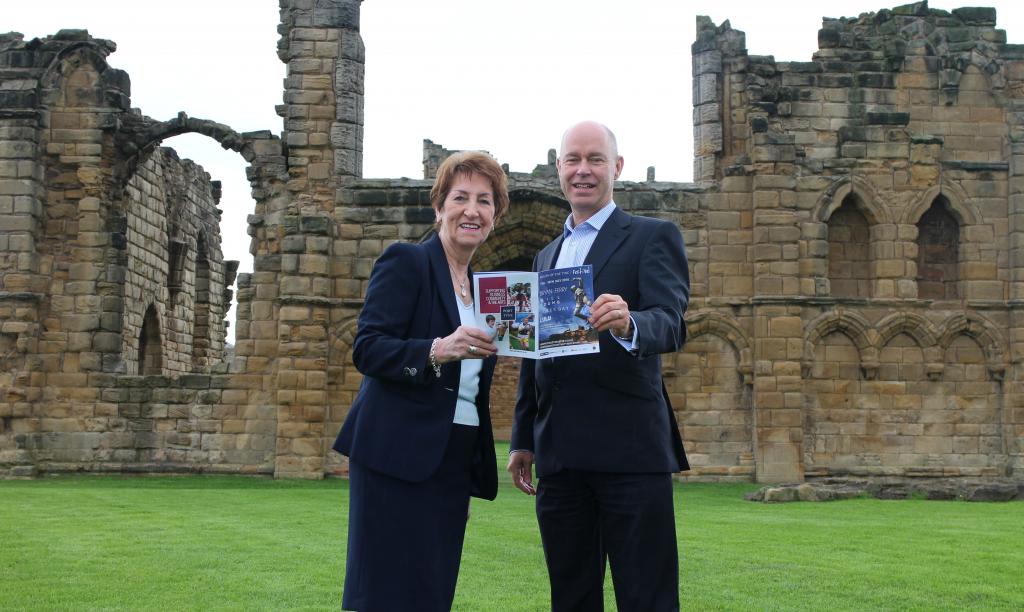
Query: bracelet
point(433, 358)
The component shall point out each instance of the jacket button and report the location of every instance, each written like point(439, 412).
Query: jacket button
point(410, 371)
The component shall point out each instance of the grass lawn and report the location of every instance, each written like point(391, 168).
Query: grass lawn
point(221, 542)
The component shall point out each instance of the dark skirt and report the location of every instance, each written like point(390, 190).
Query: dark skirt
point(405, 538)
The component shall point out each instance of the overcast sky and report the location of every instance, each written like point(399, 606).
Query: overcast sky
point(507, 77)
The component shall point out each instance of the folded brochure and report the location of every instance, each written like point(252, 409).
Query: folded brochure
point(537, 314)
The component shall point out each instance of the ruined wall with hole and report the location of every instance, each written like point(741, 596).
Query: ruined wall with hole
point(855, 231)
point(175, 269)
point(113, 287)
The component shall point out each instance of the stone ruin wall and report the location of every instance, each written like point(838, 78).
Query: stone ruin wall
point(172, 210)
point(852, 234)
point(880, 184)
point(111, 244)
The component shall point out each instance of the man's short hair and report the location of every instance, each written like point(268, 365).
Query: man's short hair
point(611, 138)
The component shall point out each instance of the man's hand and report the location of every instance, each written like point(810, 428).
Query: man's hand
point(611, 312)
point(520, 465)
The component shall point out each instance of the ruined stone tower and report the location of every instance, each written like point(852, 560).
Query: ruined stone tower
point(853, 232)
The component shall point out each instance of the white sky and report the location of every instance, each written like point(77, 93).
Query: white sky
point(503, 76)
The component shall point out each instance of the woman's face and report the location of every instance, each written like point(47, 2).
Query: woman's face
point(466, 217)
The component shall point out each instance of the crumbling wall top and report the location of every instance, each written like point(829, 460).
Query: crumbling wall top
point(342, 14)
point(15, 41)
point(893, 30)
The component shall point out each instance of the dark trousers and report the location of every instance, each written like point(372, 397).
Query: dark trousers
point(628, 519)
point(405, 538)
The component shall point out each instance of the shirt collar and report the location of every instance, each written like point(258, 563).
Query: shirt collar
point(595, 221)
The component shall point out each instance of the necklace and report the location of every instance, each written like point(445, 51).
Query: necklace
point(462, 283)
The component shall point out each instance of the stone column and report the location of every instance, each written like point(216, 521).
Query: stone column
point(1013, 406)
point(323, 100)
point(889, 267)
point(323, 114)
point(707, 108)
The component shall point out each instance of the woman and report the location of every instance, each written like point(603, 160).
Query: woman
point(418, 435)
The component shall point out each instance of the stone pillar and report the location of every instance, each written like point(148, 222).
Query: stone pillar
point(906, 250)
point(707, 109)
point(1016, 212)
point(323, 112)
point(347, 129)
point(889, 266)
point(1013, 405)
point(778, 392)
point(305, 292)
point(323, 100)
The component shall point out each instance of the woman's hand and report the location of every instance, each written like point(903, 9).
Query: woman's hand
point(464, 343)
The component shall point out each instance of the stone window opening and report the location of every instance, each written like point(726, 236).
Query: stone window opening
point(201, 356)
point(150, 344)
point(177, 253)
point(849, 254)
point(938, 253)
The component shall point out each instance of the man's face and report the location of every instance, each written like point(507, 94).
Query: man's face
point(587, 169)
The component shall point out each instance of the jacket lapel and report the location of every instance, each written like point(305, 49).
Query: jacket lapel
point(549, 254)
point(442, 276)
point(612, 233)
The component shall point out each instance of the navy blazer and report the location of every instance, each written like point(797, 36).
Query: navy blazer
point(401, 419)
point(609, 411)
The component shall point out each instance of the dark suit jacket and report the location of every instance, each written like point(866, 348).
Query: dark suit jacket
point(400, 421)
point(609, 411)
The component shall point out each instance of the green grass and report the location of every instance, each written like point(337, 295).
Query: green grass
point(220, 542)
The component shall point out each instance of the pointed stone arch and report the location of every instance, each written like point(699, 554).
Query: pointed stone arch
point(343, 334)
point(869, 201)
point(139, 136)
point(150, 343)
point(78, 94)
point(70, 59)
point(974, 64)
point(920, 330)
point(939, 252)
point(924, 333)
point(728, 329)
point(990, 66)
point(982, 331)
point(854, 326)
point(959, 203)
point(342, 384)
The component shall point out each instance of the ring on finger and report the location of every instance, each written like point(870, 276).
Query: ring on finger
point(472, 349)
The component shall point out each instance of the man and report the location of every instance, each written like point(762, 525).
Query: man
point(580, 295)
point(599, 426)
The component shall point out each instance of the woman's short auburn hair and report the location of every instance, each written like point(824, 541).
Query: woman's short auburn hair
point(469, 163)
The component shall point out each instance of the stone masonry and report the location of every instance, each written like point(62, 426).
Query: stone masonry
point(855, 233)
